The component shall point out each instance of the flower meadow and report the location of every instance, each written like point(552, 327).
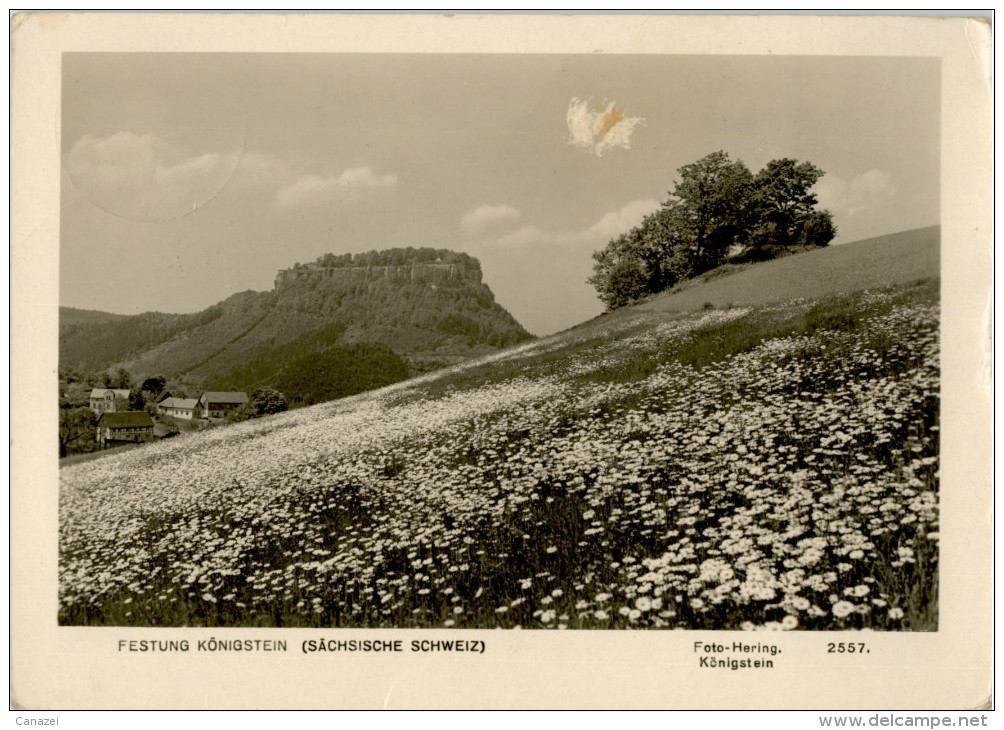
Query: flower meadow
point(772, 468)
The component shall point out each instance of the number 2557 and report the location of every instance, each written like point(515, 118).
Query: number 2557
point(842, 647)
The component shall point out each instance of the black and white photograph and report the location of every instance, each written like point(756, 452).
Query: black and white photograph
point(495, 341)
point(586, 342)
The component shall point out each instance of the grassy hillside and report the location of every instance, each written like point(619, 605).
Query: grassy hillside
point(897, 258)
point(755, 467)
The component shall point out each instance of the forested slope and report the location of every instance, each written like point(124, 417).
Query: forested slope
point(251, 337)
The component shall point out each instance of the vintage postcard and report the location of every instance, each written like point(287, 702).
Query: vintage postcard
point(500, 362)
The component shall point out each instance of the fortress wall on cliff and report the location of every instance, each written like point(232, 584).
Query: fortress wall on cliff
point(354, 274)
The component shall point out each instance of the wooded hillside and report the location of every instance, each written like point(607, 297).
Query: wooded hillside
point(250, 338)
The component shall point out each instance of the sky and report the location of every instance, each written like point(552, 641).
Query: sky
point(189, 177)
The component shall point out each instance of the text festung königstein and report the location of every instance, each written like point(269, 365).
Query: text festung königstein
point(212, 644)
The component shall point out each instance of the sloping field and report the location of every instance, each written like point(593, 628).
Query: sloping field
point(770, 467)
point(895, 259)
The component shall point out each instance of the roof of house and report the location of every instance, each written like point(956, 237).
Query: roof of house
point(212, 396)
point(179, 403)
point(126, 419)
point(164, 396)
point(116, 392)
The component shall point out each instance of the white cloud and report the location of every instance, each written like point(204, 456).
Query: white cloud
point(147, 177)
point(144, 176)
point(312, 190)
point(609, 226)
point(621, 221)
point(486, 217)
point(599, 131)
point(868, 190)
point(121, 158)
point(259, 164)
point(187, 170)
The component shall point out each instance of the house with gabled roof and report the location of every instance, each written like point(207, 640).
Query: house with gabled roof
point(187, 408)
point(124, 427)
point(217, 405)
point(102, 400)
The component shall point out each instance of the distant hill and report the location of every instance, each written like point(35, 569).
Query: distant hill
point(72, 315)
point(428, 306)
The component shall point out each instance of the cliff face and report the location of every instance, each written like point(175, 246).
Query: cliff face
point(422, 272)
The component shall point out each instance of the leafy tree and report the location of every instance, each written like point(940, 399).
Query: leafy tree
point(649, 258)
point(620, 275)
point(715, 196)
point(783, 198)
point(70, 375)
point(76, 430)
point(818, 230)
point(265, 401)
point(136, 400)
point(667, 246)
point(121, 379)
point(155, 385)
point(75, 394)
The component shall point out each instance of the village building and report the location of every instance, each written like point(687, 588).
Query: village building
point(102, 400)
point(187, 408)
point(124, 427)
point(217, 405)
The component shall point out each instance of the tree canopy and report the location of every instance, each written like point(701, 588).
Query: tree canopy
point(76, 430)
point(263, 401)
point(396, 257)
point(154, 385)
point(717, 210)
point(121, 379)
point(266, 401)
point(136, 400)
